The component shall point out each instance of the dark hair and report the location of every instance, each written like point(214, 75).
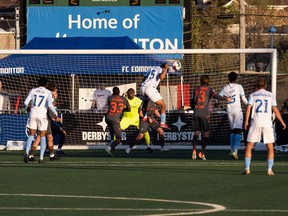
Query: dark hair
point(52, 86)
point(42, 81)
point(232, 76)
point(205, 80)
point(261, 82)
point(116, 90)
point(130, 89)
point(163, 65)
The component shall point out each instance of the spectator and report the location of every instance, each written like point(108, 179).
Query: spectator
point(261, 103)
point(4, 99)
point(200, 103)
point(100, 97)
point(234, 112)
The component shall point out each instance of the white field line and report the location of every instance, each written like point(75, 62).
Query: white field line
point(210, 206)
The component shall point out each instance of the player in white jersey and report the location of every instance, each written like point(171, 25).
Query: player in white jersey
point(261, 103)
point(41, 100)
point(149, 89)
point(234, 111)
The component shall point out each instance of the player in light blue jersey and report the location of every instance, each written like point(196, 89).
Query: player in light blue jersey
point(149, 90)
point(234, 111)
point(260, 105)
point(41, 101)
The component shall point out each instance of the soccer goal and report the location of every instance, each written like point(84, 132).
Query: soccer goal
point(77, 73)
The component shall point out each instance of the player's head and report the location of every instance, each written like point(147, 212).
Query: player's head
point(116, 90)
point(53, 88)
point(232, 76)
point(261, 83)
point(131, 93)
point(204, 80)
point(42, 81)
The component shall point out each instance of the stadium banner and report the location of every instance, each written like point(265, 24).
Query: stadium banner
point(80, 131)
point(151, 27)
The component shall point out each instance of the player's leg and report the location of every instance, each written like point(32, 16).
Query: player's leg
point(32, 126)
point(42, 145)
point(237, 125)
point(268, 137)
point(232, 134)
point(34, 147)
point(148, 141)
point(196, 129)
point(205, 127)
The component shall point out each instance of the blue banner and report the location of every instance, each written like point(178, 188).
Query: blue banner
point(150, 27)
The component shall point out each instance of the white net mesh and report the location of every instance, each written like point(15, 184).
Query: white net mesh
point(78, 73)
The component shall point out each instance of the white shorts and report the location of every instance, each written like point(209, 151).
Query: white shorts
point(255, 134)
point(235, 119)
point(37, 123)
point(151, 92)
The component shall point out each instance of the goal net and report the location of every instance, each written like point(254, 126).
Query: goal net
point(78, 73)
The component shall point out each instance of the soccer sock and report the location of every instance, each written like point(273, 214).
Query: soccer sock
point(161, 141)
point(232, 141)
point(163, 118)
point(28, 144)
point(42, 147)
point(270, 164)
point(237, 141)
point(114, 144)
point(147, 138)
point(247, 162)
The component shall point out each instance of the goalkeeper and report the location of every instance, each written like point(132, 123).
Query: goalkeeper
point(132, 118)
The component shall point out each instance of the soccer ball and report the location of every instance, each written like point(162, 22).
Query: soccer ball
point(176, 65)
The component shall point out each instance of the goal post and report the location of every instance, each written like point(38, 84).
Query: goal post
point(78, 73)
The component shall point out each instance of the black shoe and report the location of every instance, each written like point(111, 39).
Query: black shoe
point(26, 158)
point(31, 159)
point(54, 158)
point(149, 149)
point(40, 161)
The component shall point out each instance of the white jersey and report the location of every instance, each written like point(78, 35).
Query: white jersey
point(152, 77)
point(262, 102)
point(41, 100)
point(235, 91)
point(101, 97)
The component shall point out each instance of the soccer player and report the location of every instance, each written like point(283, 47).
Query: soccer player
point(100, 98)
point(200, 103)
point(4, 99)
point(116, 106)
point(41, 101)
point(49, 133)
point(149, 90)
point(132, 118)
point(234, 111)
point(284, 108)
point(150, 108)
point(261, 103)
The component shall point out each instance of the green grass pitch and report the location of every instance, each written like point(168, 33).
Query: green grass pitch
point(87, 182)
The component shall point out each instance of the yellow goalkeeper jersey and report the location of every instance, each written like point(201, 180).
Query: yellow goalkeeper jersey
point(135, 104)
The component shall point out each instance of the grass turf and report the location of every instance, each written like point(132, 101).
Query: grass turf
point(90, 183)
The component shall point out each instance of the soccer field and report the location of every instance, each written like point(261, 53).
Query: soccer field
point(90, 183)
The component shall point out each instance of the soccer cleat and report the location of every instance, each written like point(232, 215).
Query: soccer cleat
point(201, 156)
point(149, 149)
point(194, 155)
point(127, 150)
point(163, 149)
point(26, 158)
point(31, 158)
point(234, 155)
point(165, 126)
point(41, 161)
point(108, 151)
point(246, 172)
point(54, 158)
point(270, 173)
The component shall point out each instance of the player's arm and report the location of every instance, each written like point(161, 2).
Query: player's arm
point(278, 116)
point(157, 113)
point(127, 106)
point(222, 98)
point(247, 115)
point(27, 101)
point(93, 103)
point(164, 71)
point(51, 107)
